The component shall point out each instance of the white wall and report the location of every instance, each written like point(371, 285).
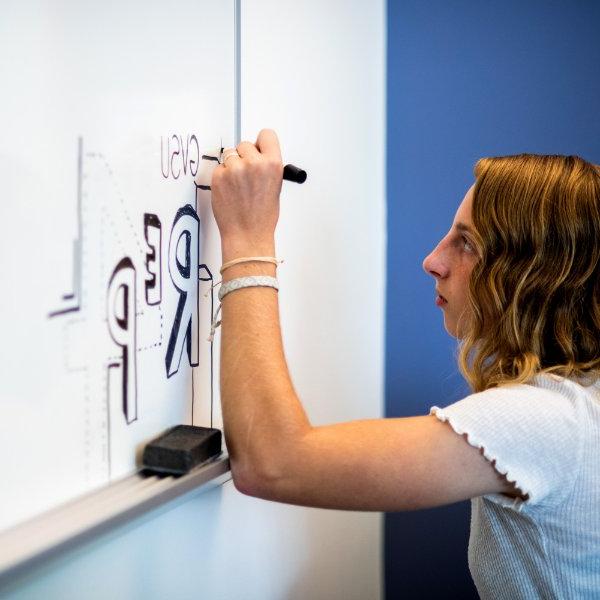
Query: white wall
point(315, 72)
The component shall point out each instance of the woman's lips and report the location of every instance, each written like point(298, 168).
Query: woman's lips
point(440, 301)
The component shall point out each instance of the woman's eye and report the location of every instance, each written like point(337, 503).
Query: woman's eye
point(467, 245)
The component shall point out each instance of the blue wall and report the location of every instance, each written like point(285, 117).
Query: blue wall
point(466, 79)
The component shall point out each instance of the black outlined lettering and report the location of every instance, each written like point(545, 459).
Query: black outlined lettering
point(121, 316)
point(153, 235)
point(184, 243)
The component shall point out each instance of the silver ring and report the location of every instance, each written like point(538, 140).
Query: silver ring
point(229, 155)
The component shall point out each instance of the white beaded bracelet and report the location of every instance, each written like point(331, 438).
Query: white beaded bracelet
point(244, 282)
point(238, 284)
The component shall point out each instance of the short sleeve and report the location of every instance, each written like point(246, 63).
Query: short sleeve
point(531, 432)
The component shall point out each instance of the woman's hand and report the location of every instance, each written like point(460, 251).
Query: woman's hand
point(245, 197)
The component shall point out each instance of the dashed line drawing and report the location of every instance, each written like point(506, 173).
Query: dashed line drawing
point(67, 327)
point(114, 230)
point(119, 195)
point(118, 325)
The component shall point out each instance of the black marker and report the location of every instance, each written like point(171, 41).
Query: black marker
point(292, 173)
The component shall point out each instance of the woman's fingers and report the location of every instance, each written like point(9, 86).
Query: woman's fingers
point(243, 150)
point(247, 150)
point(268, 144)
point(230, 154)
point(245, 192)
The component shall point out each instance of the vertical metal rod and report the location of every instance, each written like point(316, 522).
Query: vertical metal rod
point(238, 70)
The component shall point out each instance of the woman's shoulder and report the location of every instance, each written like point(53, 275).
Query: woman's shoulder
point(545, 402)
point(574, 391)
point(544, 387)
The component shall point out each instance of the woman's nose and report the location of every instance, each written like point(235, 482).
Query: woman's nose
point(435, 265)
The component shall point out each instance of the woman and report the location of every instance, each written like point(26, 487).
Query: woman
point(518, 280)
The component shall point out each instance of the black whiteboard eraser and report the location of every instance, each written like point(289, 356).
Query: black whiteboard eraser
point(293, 173)
point(181, 448)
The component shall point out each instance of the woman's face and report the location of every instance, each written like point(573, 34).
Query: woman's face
point(451, 263)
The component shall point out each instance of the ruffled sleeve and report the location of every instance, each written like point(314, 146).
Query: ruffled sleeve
point(532, 432)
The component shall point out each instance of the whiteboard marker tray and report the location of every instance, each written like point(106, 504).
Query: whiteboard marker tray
point(33, 542)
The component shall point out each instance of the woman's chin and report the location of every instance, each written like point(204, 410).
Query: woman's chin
point(457, 328)
point(450, 327)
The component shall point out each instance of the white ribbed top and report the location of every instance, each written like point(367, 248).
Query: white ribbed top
point(544, 436)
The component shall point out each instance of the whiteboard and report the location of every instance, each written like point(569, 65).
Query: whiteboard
point(116, 115)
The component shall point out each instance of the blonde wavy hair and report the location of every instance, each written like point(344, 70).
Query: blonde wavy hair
point(534, 293)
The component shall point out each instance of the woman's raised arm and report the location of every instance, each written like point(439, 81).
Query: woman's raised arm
point(384, 464)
